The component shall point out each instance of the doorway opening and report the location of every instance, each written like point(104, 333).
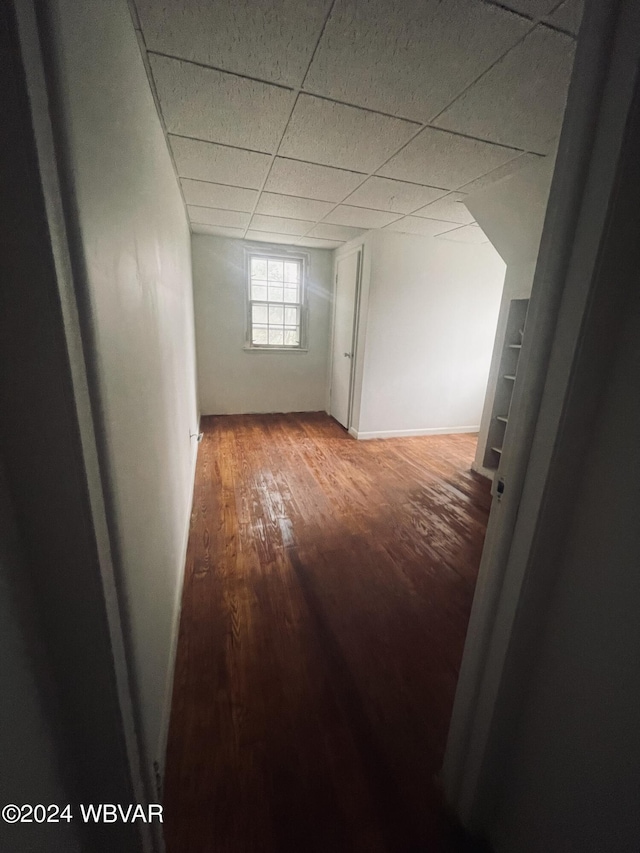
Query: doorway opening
point(345, 336)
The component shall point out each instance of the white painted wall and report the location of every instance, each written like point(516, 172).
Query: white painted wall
point(233, 380)
point(511, 213)
point(133, 260)
point(427, 325)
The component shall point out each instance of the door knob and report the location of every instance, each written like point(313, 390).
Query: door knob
point(347, 355)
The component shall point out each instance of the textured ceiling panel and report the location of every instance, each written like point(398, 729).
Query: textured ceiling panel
point(217, 230)
point(448, 209)
point(396, 196)
point(218, 195)
point(218, 163)
point(466, 234)
point(310, 181)
point(521, 100)
point(423, 227)
point(410, 58)
point(268, 237)
point(324, 132)
point(568, 16)
point(501, 172)
point(359, 217)
point(325, 231)
point(271, 39)
point(220, 107)
point(442, 159)
point(213, 216)
point(293, 207)
point(532, 8)
point(279, 225)
point(313, 243)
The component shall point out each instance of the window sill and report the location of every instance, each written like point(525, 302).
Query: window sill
point(276, 349)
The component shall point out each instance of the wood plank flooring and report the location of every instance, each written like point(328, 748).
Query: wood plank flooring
point(327, 592)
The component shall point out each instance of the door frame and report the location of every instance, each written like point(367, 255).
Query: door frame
point(122, 715)
point(359, 251)
point(564, 367)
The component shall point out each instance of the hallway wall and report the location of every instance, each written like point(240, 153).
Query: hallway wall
point(232, 380)
point(131, 251)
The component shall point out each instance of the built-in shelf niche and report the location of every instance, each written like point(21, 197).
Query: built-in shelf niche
point(506, 380)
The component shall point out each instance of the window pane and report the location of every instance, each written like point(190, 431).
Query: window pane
point(276, 337)
point(291, 316)
point(258, 268)
point(259, 292)
point(275, 270)
point(260, 314)
point(276, 294)
point(276, 315)
point(291, 271)
point(260, 336)
point(291, 338)
point(291, 294)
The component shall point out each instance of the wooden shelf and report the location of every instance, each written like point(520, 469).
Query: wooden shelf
point(500, 424)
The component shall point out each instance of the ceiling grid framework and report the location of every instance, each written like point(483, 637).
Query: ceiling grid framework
point(307, 124)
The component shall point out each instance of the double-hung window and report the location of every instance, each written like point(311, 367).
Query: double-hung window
point(276, 301)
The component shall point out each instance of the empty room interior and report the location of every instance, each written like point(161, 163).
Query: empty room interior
point(300, 506)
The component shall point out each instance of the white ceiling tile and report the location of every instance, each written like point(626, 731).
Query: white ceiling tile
point(466, 234)
point(396, 196)
point(359, 217)
point(294, 207)
point(521, 100)
point(568, 16)
point(447, 209)
point(206, 194)
point(279, 224)
point(335, 232)
point(217, 230)
point(292, 177)
point(532, 8)
point(206, 161)
point(271, 40)
point(314, 243)
point(501, 172)
point(212, 216)
point(410, 58)
point(347, 137)
point(219, 107)
point(268, 237)
point(423, 227)
point(443, 159)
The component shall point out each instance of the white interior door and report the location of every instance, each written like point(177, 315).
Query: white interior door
point(348, 269)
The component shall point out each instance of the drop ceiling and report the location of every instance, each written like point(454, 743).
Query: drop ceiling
point(309, 123)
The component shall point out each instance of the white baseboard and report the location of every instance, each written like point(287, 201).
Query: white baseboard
point(175, 624)
point(407, 433)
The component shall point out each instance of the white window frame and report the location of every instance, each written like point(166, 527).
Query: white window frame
point(279, 253)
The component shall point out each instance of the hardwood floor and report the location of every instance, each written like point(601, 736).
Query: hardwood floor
point(327, 591)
